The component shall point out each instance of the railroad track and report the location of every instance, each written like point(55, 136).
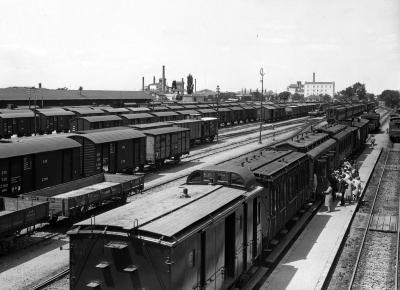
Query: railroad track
point(51, 280)
point(377, 262)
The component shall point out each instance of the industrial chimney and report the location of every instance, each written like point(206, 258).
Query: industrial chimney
point(142, 83)
point(195, 85)
point(313, 77)
point(40, 85)
point(154, 79)
point(163, 78)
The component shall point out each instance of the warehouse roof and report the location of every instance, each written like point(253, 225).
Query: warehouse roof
point(133, 116)
point(33, 145)
point(21, 93)
point(101, 118)
point(110, 136)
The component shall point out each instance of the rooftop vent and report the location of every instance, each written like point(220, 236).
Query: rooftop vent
point(185, 193)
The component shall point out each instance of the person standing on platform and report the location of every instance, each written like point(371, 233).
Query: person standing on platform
point(342, 189)
point(357, 188)
point(315, 185)
point(349, 191)
point(328, 197)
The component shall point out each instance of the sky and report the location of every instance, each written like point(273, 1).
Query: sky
point(112, 44)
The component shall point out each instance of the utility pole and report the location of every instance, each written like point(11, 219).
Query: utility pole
point(217, 112)
point(261, 105)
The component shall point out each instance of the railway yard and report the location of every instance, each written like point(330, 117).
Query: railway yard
point(251, 220)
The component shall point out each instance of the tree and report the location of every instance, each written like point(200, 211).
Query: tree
point(284, 96)
point(298, 97)
point(189, 87)
point(325, 98)
point(359, 90)
point(348, 93)
point(391, 98)
point(370, 97)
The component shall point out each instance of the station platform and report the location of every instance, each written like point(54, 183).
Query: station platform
point(307, 263)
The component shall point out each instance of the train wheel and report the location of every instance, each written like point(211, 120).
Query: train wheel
point(177, 159)
point(211, 139)
point(53, 220)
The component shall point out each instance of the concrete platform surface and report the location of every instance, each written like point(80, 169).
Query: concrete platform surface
point(307, 264)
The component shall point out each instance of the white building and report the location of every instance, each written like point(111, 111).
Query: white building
point(319, 88)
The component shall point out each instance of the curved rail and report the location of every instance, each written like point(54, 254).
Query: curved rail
point(367, 227)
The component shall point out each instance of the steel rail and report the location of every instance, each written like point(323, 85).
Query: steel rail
point(51, 280)
point(367, 227)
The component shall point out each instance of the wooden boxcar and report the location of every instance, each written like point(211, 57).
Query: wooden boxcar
point(37, 162)
point(85, 112)
point(209, 128)
point(204, 239)
point(137, 118)
point(194, 126)
point(303, 142)
point(166, 143)
point(149, 126)
point(18, 123)
point(95, 122)
point(54, 119)
point(118, 150)
point(167, 116)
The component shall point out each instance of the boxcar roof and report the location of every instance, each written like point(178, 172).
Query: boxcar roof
point(278, 165)
point(159, 108)
point(137, 116)
point(115, 110)
point(305, 141)
point(16, 115)
point(111, 136)
point(317, 151)
point(341, 135)
point(149, 208)
point(246, 175)
point(164, 114)
point(332, 129)
point(175, 107)
point(185, 121)
point(86, 110)
point(188, 112)
point(190, 106)
point(55, 112)
point(236, 108)
point(176, 221)
point(101, 118)
point(253, 161)
point(33, 145)
point(151, 125)
point(165, 130)
point(207, 111)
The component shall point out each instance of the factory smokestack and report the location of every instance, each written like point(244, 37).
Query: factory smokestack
point(40, 85)
point(142, 83)
point(163, 78)
point(183, 86)
point(195, 85)
point(313, 77)
point(154, 79)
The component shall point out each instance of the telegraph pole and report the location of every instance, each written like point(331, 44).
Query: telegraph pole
point(261, 105)
point(217, 112)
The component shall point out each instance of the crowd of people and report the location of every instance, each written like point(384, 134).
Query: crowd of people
point(344, 185)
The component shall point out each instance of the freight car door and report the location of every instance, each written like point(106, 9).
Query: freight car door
point(4, 176)
point(27, 176)
point(112, 157)
point(15, 176)
point(67, 166)
point(105, 157)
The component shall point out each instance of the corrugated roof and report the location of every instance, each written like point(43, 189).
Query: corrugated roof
point(322, 148)
point(190, 106)
point(86, 111)
point(151, 125)
point(110, 136)
point(47, 94)
point(188, 112)
point(165, 130)
point(55, 112)
point(137, 116)
point(175, 222)
point(236, 108)
point(305, 141)
point(274, 167)
point(341, 135)
point(33, 145)
point(175, 107)
point(164, 114)
point(204, 111)
point(103, 118)
point(159, 108)
point(139, 109)
point(255, 160)
point(17, 115)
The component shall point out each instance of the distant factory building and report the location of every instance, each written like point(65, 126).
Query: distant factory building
point(297, 88)
point(319, 88)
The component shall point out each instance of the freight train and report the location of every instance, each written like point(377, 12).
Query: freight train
point(48, 120)
point(394, 128)
point(338, 113)
point(208, 232)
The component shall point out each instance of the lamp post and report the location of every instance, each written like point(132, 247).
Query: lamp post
point(217, 112)
point(261, 105)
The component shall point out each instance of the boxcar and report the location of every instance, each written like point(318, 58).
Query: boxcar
point(37, 162)
point(19, 123)
point(345, 143)
point(209, 128)
point(166, 143)
point(166, 116)
point(208, 112)
point(137, 118)
point(303, 142)
point(95, 122)
point(153, 125)
point(117, 111)
point(54, 119)
point(85, 112)
point(118, 150)
point(204, 239)
point(194, 126)
point(188, 113)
